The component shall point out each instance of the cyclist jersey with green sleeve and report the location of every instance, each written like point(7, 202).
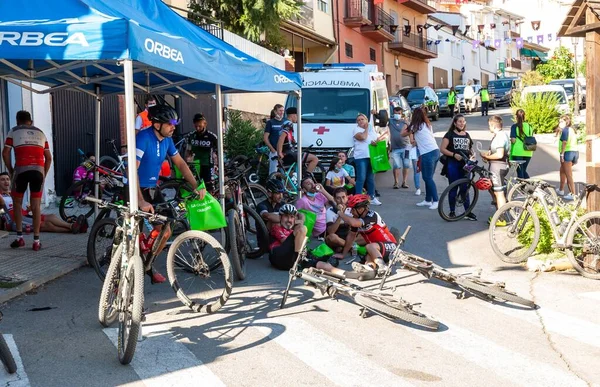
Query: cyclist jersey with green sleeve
point(151, 152)
point(202, 146)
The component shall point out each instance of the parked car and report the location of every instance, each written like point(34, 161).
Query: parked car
point(569, 85)
point(443, 99)
point(502, 91)
point(558, 90)
point(399, 100)
point(422, 96)
point(476, 103)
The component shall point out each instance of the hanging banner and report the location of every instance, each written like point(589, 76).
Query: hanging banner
point(480, 27)
point(492, 26)
point(419, 28)
point(540, 39)
point(454, 30)
point(536, 25)
point(549, 37)
point(519, 42)
point(438, 27)
point(497, 43)
point(407, 29)
point(487, 42)
point(466, 29)
point(475, 44)
point(427, 25)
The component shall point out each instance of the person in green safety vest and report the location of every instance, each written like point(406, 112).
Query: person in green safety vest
point(485, 101)
point(452, 100)
point(569, 155)
point(518, 132)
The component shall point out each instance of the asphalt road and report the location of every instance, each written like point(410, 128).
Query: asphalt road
point(317, 341)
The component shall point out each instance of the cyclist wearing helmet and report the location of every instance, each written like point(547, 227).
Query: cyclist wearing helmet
point(269, 209)
point(497, 157)
point(337, 229)
point(152, 146)
point(287, 237)
point(370, 225)
point(202, 144)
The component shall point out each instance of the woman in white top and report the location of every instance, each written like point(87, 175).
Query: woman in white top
point(421, 132)
point(364, 134)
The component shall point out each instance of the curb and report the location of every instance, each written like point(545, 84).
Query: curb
point(26, 286)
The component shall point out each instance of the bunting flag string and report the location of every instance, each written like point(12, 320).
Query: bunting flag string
point(495, 43)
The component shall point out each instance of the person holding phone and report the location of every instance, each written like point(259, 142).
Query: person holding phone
point(400, 148)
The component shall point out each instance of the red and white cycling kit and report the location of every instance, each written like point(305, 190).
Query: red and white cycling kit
point(29, 144)
point(374, 230)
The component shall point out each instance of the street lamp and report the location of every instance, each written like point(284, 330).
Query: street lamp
point(574, 41)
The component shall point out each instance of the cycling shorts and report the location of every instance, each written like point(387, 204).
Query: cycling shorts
point(498, 172)
point(284, 256)
point(386, 248)
point(33, 179)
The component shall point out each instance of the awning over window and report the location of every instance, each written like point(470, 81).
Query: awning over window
point(526, 52)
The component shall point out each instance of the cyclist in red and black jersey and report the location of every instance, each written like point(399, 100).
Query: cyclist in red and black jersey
point(369, 225)
point(32, 162)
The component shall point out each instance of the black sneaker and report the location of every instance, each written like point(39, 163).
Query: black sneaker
point(452, 214)
point(471, 216)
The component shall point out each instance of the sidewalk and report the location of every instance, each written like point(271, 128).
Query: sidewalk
point(23, 269)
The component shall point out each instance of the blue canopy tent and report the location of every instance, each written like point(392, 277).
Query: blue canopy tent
point(104, 47)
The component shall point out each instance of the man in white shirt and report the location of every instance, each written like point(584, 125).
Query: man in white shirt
point(337, 230)
point(469, 94)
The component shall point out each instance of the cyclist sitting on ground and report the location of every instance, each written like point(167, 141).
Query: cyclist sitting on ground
point(370, 225)
point(269, 209)
point(152, 146)
point(337, 229)
point(286, 145)
point(315, 200)
point(286, 241)
point(497, 157)
point(337, 177)
point(202, 145)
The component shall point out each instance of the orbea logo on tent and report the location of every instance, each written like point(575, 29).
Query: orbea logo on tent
point(281, 79)
point(160, 49)
point(56, 39)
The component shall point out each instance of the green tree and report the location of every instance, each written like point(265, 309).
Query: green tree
point(241, 136)
point(256, 20)
point(582, 68)
point(560, 65)
point(532, 78)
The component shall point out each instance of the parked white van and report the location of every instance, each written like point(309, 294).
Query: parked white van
point(558, 90)
point(332, 97)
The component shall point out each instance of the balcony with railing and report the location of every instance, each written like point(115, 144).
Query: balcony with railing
point(414, 45)
point(422, 6)
point(306, 17)
point(358, 13)
point(382, 26)
point(214, 27)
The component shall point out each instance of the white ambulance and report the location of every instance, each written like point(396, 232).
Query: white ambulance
point(332, 97)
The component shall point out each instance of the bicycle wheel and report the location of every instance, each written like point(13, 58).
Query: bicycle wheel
point(514, 232)
point(257, 235)
point(469, 196)
point(583, 245)
point(109, 162)
point(130, 315)
point(7, 357)
point(255, 194)
point(108, 307)
point(100, 245)
point(392, 308)
point(73, 203)
point(236, 253)
point(492, 292)
point(199, 271)
point(175, 189)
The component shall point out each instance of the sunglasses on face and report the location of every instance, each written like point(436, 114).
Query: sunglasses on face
point(174, 122)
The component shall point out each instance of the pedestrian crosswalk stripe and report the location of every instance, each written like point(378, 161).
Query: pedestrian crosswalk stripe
point(556, 322)
point(160, 360)
point(331, 358)
point(592, 295)
point(18, 379)
point(507, 364)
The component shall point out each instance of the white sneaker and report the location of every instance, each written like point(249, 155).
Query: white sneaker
point(568, 196)
point(560, 193)
point(433, 206)
point(360, 268)
point(375, 202)
point(424, 203)
point(418, 192)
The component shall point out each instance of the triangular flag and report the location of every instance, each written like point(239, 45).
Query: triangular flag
point(536, 25)
point(454, 30)
point(407, 29)
point(480, 27)
point(530, 39)
point(519, 42)
point(466, 29)
point(438, 27)
point(549, 37)
point(497, 43)
point(447, 39)
point(419, 28)
point(492, 26)
point(508, 40)
point(475, 44)
point(437, 42)
point(540, 39)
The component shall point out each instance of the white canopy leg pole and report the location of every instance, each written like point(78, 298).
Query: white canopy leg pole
point(97, 147)
point(220, 145)
point(130, 130)
point(299, 141)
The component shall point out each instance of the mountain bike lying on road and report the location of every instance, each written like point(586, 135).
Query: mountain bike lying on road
point(333, 285)
point(578, 236)
point(5, 355)
point(468, 283)
point(188, 264)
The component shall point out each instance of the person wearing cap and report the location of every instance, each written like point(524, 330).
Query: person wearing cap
point(202, 146)
point(286, 145)
point(142, 121)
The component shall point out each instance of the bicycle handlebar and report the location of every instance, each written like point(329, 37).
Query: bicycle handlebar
point(150, 216)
